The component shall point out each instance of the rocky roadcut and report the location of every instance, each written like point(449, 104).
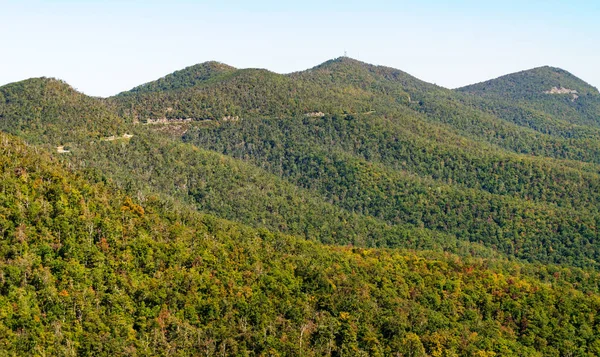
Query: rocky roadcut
point(345, 210)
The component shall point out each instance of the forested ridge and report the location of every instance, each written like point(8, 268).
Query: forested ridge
point(348, 209)
point(87, 270)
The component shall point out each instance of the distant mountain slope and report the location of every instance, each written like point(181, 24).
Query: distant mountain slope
point(533, 83)
point(355, 180)
point(88, 270)
point(342, 85)
point(348, 71)
point(236, 190)
point(46, 110)
point(240, 93)
point(187, 77)
point(546, 93)
point(346, 86)
point(397, 145)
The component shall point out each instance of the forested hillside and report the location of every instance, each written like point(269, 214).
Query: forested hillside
point(187, 77)
point(348, 209)
point(546, 96)
point(45, 110)
point(527, 227)
point(90, 271)
point(347, 86)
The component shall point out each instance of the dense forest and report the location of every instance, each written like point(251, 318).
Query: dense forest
point(89, 270)
point(344, 210)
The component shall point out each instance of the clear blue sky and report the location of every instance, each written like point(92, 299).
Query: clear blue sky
point(104, 47)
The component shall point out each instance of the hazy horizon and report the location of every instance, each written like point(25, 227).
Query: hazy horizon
point(103, 48)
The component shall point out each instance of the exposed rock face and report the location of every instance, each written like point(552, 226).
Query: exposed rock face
point(315, 114)
point(114, 137)
point(167, 121)
point(562, 90)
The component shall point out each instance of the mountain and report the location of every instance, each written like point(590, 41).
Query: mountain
point(545, 96)
point(313, 175)
point(317, 212)
point(533, 83)
point(342, 85)
point(187, 77)
point(348, 71)
point(539, 210)
point(47, 110)
point(346, 86)
point(244, 92)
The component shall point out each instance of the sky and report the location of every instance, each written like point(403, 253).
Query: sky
point(105, 47)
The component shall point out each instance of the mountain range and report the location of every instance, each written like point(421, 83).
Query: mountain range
point(348, 209)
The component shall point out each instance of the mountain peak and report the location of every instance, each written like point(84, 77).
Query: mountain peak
point(40, 87)
point(532, 82)
point(187, 77)
point(349, 70)
point(341, 62)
